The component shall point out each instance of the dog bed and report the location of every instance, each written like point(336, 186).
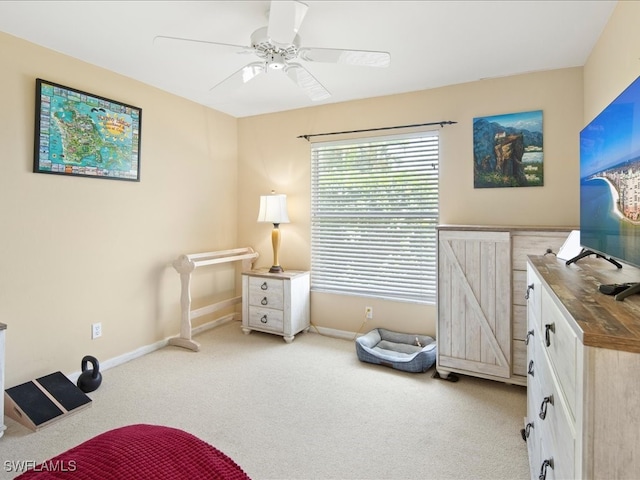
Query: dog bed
point(402, 351)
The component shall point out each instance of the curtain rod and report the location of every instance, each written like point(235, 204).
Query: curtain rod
point(442, 124)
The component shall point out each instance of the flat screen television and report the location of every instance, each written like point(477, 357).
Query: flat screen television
point(610, 182)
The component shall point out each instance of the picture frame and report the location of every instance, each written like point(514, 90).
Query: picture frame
point(85, 135)
point(508, 150)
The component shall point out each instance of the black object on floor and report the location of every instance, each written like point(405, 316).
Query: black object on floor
point(452, 377)
point(41, 401)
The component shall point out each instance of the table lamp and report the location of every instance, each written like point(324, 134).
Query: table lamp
point(273, 209)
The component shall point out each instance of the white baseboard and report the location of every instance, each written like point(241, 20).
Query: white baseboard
point(139, 352)
point(332, 332)
point(216, 323)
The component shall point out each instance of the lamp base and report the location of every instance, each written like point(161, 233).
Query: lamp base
point(276, 269)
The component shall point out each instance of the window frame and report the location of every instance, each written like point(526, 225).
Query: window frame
point(417, 277)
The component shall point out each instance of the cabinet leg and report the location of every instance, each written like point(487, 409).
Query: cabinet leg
point(444, 375)
point(289, 338)
point(246, 331)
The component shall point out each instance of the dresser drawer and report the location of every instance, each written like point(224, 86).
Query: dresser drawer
point(519, 321)
point(266, 292)
point(519, 279)
point(561, 453)
point(560, 342)
point(542, 472)
point(266, 319)
point(535, 377)
point(557, 428)
point(532, 433)
point(519, 358)
point(533, 291)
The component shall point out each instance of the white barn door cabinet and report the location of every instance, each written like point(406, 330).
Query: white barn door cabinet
point(482, 325)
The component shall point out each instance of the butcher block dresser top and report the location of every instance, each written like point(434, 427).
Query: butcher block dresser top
point(599, 320)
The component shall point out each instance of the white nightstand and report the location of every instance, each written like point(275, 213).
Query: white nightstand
point(275, 303)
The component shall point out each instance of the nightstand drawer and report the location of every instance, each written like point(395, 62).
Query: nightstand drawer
point(271, 299)
point(266, 318)
point(266, 292)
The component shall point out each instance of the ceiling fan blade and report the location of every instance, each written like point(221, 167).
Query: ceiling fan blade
point(349, 57)
point(285, 18)
point(239, 78)
point(307, 82)
point(162, 41)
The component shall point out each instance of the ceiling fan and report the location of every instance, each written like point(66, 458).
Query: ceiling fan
point(278, 46)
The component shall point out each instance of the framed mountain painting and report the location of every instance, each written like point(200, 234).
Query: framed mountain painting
point(508, 150)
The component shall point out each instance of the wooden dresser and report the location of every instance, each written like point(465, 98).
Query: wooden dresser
point(583, 395)
point(482, 313)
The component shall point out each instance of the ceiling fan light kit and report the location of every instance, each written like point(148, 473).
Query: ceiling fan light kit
point(278, 46)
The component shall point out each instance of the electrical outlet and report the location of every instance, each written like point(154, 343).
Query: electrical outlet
point(368, 313)
point(96, 330)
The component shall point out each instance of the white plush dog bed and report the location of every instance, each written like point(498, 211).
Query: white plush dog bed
point(402, 351)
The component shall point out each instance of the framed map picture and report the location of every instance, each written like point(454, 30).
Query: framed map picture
point(80, 134)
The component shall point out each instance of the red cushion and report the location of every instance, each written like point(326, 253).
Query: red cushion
point(138, 452)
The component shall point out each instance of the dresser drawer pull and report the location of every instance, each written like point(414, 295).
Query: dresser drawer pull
point(549, 327)
point(264, 319)
point(530, 369)
point(530, 333)
point(529, 288)
point(264, 286)
point(526, 431)
point(264, 301)
point(543, 407)
point(543, 468)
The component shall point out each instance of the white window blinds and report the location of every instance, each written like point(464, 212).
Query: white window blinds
point(374, 207)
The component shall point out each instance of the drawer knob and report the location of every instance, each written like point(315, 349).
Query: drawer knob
point(543, 407)
point(264, 319)
point(264, 301)
point(530, 333)
point(549, 327)
point(530, 369)
point(526, 431)
point(529, 288)
point(264, 286)
point(543, 468)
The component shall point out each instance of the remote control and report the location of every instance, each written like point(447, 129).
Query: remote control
point(614, 288)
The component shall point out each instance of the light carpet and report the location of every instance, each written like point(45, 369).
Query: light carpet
point(305, 410)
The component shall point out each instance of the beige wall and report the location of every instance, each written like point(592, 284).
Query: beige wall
point(79, 250)
point(272, 157)
point(614, 62)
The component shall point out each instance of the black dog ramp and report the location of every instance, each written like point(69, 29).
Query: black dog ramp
point(40, 402)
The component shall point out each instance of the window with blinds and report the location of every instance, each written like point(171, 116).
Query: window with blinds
point(374, 208)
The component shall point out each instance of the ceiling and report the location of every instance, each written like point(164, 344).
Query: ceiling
point(432, 43)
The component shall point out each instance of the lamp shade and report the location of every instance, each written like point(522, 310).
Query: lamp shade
point(273, 209)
